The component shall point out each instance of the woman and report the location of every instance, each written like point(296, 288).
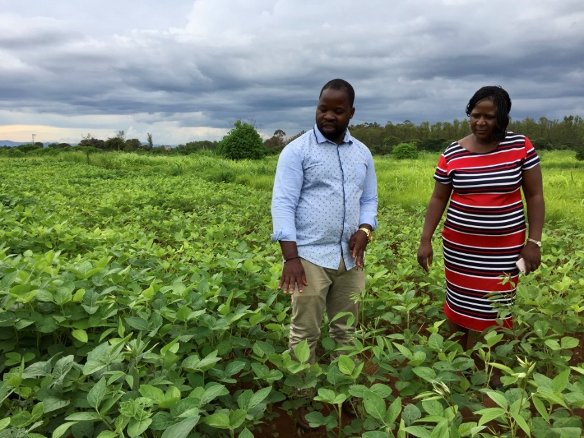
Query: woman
point(484, 232)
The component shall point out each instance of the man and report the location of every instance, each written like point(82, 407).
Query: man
point(324, 208)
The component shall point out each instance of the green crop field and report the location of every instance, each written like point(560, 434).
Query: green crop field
point(138, 299)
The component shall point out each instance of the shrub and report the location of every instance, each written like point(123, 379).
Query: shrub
point(405, 150)
point(542, 144)
point(580, 152)
point(242, 142)
point(434, 144)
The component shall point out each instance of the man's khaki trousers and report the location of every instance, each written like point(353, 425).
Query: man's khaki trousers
point(330, 290)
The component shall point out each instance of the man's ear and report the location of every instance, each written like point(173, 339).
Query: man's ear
point(352, 112)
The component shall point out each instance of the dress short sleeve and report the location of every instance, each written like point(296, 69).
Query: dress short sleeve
point(531, 158)
point(442, 173)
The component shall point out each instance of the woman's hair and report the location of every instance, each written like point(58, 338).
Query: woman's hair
point(502, 102)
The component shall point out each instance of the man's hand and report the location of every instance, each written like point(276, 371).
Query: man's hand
point(292, 276)
point(357, 245)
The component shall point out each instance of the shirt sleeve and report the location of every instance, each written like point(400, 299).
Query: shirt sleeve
point(286, 193)
point(442, 173)
point(369, 199)
point(531, 158)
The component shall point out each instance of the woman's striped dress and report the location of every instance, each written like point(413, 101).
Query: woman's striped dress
point(484, 230)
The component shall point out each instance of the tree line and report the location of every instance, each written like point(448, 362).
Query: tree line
point(243, 141)
point(545, 134)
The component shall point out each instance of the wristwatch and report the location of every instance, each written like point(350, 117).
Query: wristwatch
point(537, 242)
point(368, 232)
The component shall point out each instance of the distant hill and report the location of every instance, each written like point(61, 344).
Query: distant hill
point(12, 143)
point(18, 143)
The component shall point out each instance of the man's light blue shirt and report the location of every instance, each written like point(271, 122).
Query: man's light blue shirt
point(322, 193)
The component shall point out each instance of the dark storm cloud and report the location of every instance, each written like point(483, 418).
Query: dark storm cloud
point(267, 60)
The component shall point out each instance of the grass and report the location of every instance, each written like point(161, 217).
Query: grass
point(407, 184)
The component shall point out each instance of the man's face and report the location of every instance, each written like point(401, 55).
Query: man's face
point(333, 114)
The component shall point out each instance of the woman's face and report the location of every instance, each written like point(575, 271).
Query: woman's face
point(483, 120)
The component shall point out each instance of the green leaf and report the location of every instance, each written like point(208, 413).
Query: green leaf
point(315, 419)
point(234, 367)
point(37, 369)
point(92, 366)
point(236, 418)
point(569, 342)
point(168, 347)
point(245, 433)
point(21, 419)
point(568, 432)
point(259, 397)
point(193, 363)
point(410, 414)
point(418, 431)
point(425, 373)
point(346, 365)
point(211, 393)
point(97, 393)
point(393, 411)
point(182, 429)
point(244, 399)
point(62, 429)
point(51, 404)
point(218, 420)
point(137, 323)
point(403, 350)
point(62, 367)
point(171, 397)
point(521, 422)
point(107, 434)
point(83, 416)
point(302, 351)
point(4, 423)
point(325, 395)
point(137, 427)
point(490, 414)
point(153, 393)
point(541, 408)
point(498, 398)
point(381, 390)
point(435, 341)
point(80, 335)
point(501, 367)
point(441, 429)
point(374, 405)
point(560, 382)
point(433, 407)
point(553, 344)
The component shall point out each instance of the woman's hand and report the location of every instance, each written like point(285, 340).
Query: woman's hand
point(531, 254)
point(425, 255)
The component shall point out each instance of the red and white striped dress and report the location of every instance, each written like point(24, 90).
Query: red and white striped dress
point(484, 230)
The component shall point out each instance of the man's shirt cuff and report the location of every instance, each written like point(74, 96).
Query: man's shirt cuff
point(285, 235)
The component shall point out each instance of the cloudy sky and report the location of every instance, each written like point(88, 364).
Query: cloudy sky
point(188, 69)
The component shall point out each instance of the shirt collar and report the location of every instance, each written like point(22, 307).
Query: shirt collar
point(322, 139)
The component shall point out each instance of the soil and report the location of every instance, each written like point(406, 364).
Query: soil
point(284, 425)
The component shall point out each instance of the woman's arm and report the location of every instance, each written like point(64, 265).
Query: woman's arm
point(436, 207)
point(533, 191)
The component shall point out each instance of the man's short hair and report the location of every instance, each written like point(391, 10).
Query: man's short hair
point(342, 85)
